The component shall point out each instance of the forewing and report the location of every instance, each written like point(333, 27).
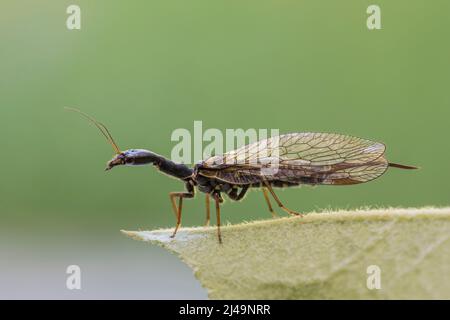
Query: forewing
point(314, 149)
point(309, 158)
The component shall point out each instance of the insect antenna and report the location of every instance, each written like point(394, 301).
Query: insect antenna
point(100, 127)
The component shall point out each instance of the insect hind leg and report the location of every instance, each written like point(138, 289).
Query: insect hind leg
point(269, 205)
point(278, 201)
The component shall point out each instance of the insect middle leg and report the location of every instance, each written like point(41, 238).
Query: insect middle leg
point(218, 200)
point(233, 195)
point(281, 205)
point(208, 210)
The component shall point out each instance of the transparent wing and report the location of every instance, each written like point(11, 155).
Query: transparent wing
point(315, 149)
point(310, 158)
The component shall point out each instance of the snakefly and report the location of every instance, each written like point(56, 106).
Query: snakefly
point(301, 158)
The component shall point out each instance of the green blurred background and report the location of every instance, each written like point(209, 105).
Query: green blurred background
point(145, 68)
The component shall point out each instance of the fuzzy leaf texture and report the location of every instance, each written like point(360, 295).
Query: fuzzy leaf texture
point(320, 256)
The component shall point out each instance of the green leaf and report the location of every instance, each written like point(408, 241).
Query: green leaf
point(321, 256)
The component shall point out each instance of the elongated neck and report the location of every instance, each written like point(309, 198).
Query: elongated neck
point(177, 170)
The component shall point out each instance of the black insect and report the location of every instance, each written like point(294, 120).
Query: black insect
point(284, 161)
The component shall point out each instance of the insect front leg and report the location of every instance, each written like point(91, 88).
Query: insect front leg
point(178, 210)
